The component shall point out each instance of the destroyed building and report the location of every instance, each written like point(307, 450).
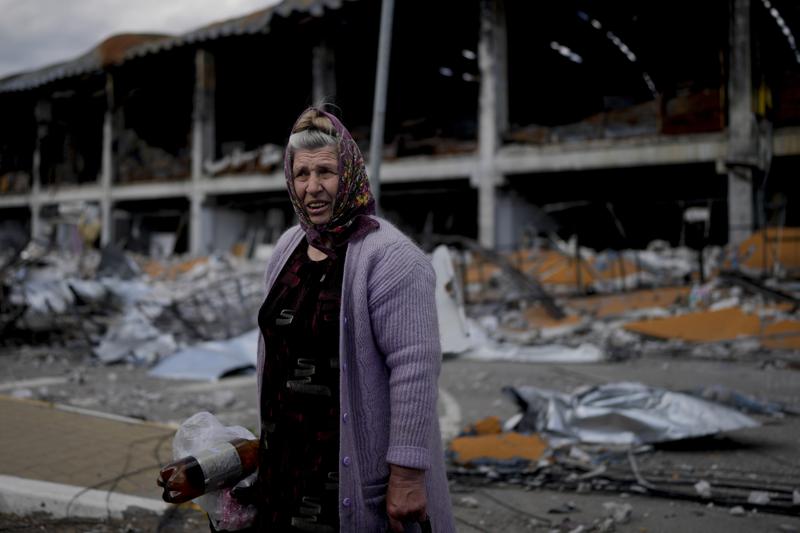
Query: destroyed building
point(505, 118)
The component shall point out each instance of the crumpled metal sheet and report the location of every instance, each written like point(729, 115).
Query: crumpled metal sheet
point(211, 360)
point(623, 413)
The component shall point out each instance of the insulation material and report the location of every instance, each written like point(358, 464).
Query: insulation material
point(510, 446)
point(769, 250)
point(534, 324)
point(487, 349)
point(158, 270)
point(538, 318)
point(554, 268)
point(619, 304)
point(490, 425)
point(782, 335)
point(721, 325)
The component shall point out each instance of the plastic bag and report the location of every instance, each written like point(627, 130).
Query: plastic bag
point(197, 433)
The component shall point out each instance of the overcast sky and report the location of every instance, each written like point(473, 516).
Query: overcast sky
point(36, 33)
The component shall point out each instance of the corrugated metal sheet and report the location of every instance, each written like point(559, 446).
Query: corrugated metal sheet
point(121, 48)
point(254, 23)
point(109, 52)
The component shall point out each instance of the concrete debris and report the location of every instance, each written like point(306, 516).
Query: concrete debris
point(758, 497)
point(564, 508)
point(263, 160)
point(737, 511)
point(486, 349)
point(130, 332)
point(619, 512)
point(703, 488)
point(468, 501)
point(125, 308)
point(623, 413)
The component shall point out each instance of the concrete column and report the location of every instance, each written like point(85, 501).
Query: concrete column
point(204, 120)
point(203, 142)
point(487, 177)
point(743, 149)
point(107, 166)
point(323, 73)
point(42, 113)
point(35, 203)
point(500, 43)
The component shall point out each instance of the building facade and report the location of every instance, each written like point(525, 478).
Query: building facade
point(505, 119)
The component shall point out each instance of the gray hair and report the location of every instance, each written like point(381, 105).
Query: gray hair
point(312, 139)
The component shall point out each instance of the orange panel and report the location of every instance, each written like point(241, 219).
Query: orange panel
point(704, 326)
point(783, 335)
point(502, 446)
point(617, 304)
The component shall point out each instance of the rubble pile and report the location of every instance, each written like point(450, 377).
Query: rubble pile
point(125, 307)
point(265, 159)
point(195, 319)
point(632, 302)
point(568, 305)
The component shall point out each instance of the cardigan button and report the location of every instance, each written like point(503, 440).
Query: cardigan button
point(346, 460)
point(345, 417)
point(347, 502)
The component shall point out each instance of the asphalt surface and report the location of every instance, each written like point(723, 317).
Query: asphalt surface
point(471, 390)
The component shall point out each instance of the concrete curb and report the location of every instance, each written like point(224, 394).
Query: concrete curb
point(23, 496)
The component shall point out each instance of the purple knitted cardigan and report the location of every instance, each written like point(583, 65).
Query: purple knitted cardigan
point(390, 361)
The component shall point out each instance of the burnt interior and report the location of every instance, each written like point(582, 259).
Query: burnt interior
point(153, 100)
point(139, 220)
point(627, 208)
point(17, 143)
point(71, 118)
point(584, 69)
point(262, 83)
point(577, 70)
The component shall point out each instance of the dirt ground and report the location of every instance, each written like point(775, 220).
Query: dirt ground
point(471, 390)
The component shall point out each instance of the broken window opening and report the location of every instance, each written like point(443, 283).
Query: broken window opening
point(577, 203)
point(246, 225)
point(625, 50)
point(258, 95)
point(157, 227)
point(153, 118)
point(433, 208)
point(17, 143)
point(71, 117)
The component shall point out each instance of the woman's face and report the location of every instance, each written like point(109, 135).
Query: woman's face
point(316, 181)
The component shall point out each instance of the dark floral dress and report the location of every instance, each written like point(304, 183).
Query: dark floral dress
point(299, 452)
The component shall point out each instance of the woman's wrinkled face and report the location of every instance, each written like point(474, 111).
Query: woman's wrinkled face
point(316, 182)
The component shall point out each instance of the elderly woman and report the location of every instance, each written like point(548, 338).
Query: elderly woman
point(349, 357)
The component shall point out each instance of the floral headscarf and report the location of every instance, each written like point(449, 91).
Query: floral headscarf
point(353, 203)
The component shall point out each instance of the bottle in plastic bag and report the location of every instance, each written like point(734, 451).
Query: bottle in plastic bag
point(218, 466)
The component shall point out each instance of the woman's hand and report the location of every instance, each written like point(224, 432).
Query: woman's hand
point(406, 500)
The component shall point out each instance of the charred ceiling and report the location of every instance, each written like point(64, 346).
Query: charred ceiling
point(588, 69)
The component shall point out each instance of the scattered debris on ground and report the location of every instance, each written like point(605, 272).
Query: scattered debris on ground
point(194, 319)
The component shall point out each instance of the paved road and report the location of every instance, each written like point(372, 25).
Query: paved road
point(43, 443)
